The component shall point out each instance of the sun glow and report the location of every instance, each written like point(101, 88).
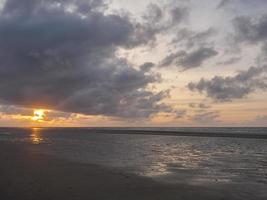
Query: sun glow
point(38, 115)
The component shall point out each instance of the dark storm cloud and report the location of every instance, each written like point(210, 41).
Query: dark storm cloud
point(235, 87)
point(66, 60)
point(189, 60)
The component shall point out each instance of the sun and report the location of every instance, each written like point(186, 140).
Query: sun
point(38, 115)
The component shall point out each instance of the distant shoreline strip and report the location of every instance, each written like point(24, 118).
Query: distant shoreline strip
point(177, 133)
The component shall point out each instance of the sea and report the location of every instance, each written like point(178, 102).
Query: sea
point(173, 155)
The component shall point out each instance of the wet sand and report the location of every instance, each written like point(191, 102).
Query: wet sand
point(26, 175)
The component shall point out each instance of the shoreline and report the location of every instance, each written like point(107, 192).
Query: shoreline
point(26, 174)
point(150, 132)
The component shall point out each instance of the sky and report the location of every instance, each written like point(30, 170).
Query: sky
point(173, 63)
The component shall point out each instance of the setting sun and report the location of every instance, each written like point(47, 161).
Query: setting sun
point(38, 115)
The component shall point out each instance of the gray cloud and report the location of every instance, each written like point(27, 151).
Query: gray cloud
point(261, 118)
point(157, 20)
point(190, 39)
point(197, 46)
point(53, 58)
point(199, 105)
point(55, 115)
point(197, 57)
point(235, 87)
point(154, 14)
point(230, 61)
point(189, 60)
point(146, 67)
point(178, 15)
point(165, 16)
point(223, 3)
point(259, 121)
point(226, 3)
point(264, 52)
point(206, 116)
point(250, 30)
point(14, 110)
point(180, 114)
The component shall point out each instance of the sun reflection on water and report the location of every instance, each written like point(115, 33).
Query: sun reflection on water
point(36, 137)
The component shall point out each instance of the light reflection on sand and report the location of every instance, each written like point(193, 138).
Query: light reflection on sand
point(183, 161)
point(173, 157)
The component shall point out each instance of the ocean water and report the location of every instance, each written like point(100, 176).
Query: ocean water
point(159, 153)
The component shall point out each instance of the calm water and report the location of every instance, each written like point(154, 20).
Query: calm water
point(167, 158)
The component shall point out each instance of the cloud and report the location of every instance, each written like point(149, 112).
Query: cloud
point(240, 3)
point(62, 55)
point(156, 21)
point(14, 110)
point(55, 115)
point(197, 57)
point(190, 39)
point(205, 117)
point(223, 3)
point(199, 105)
point(197, 46)
point(180, 114)
point(258, 121)
point(166, 15)
point(178, 15)
point(264, 52)
point(146, 67)
point(230, 61)
point(154, 13)
point(189, 60)
point(262, 117)
point(250, 30)
point(233, 87)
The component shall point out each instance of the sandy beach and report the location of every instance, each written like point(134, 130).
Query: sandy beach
point(26, 174)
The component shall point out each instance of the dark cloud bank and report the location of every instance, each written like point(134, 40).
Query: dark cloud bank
point(61, 55)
